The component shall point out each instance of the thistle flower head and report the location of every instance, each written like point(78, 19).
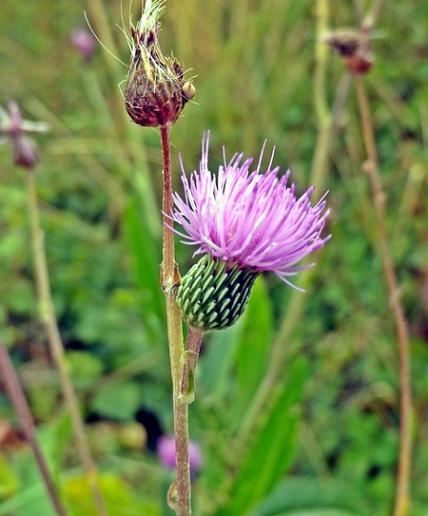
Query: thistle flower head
point(243, 223)
point(156, 91)
point(253, 220)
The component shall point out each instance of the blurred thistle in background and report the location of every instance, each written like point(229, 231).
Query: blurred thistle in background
point(14, 130)
point(84, 43)
point(166, 453)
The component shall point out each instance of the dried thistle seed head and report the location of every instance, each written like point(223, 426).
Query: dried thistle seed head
point(354, 47)
point(155, 92)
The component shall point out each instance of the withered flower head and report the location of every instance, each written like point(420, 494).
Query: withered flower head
point(155, 91)
point(354, 47)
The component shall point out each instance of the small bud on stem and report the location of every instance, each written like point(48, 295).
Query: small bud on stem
point(14, 128)
point(155, 92)
point(354, 47)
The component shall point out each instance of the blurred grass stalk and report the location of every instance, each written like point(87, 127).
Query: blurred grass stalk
point(328, 120)
point(49, 321)
point(371, 167)
point(19, 401)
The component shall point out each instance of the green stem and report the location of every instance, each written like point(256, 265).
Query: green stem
point(19, 401)
point(170, 278)
point(48, 319)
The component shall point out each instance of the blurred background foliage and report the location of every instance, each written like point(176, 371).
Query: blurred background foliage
point(326, 444)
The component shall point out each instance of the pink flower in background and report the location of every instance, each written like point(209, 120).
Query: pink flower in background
point(14, 130)
point(249, 219)
point(166, 453)
point(84, 43)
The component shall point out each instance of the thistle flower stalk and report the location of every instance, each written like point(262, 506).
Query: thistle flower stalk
point(243, 223)
point(180, 493)
point(155, 95)
point(354, 47)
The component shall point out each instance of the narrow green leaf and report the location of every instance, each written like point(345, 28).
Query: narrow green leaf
point(271, 451)
point(254, 349)
point(146, 260)
point(216, 363)
point(28, 502)
point(311, 496)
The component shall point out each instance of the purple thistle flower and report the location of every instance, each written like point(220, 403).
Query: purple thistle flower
point(14, 130)
point(84, 43)
point(166, 453)
point(247, 219)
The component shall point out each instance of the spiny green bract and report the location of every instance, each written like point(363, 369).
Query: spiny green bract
point(213, 294)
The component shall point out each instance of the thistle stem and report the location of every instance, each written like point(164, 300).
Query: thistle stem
point(19, 401)
point(169, 279)
point(402, 501)
point(49, 321)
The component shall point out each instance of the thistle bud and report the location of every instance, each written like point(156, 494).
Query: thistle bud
point(155, 92)
point(25, 152)
point(14, 130)
point(84, 43)
point(354, 47)
point(214, 294)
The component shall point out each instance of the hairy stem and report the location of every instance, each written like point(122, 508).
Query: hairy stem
point(402, 501)
point(17, 397)
point(48, 319)
point(170, 278)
